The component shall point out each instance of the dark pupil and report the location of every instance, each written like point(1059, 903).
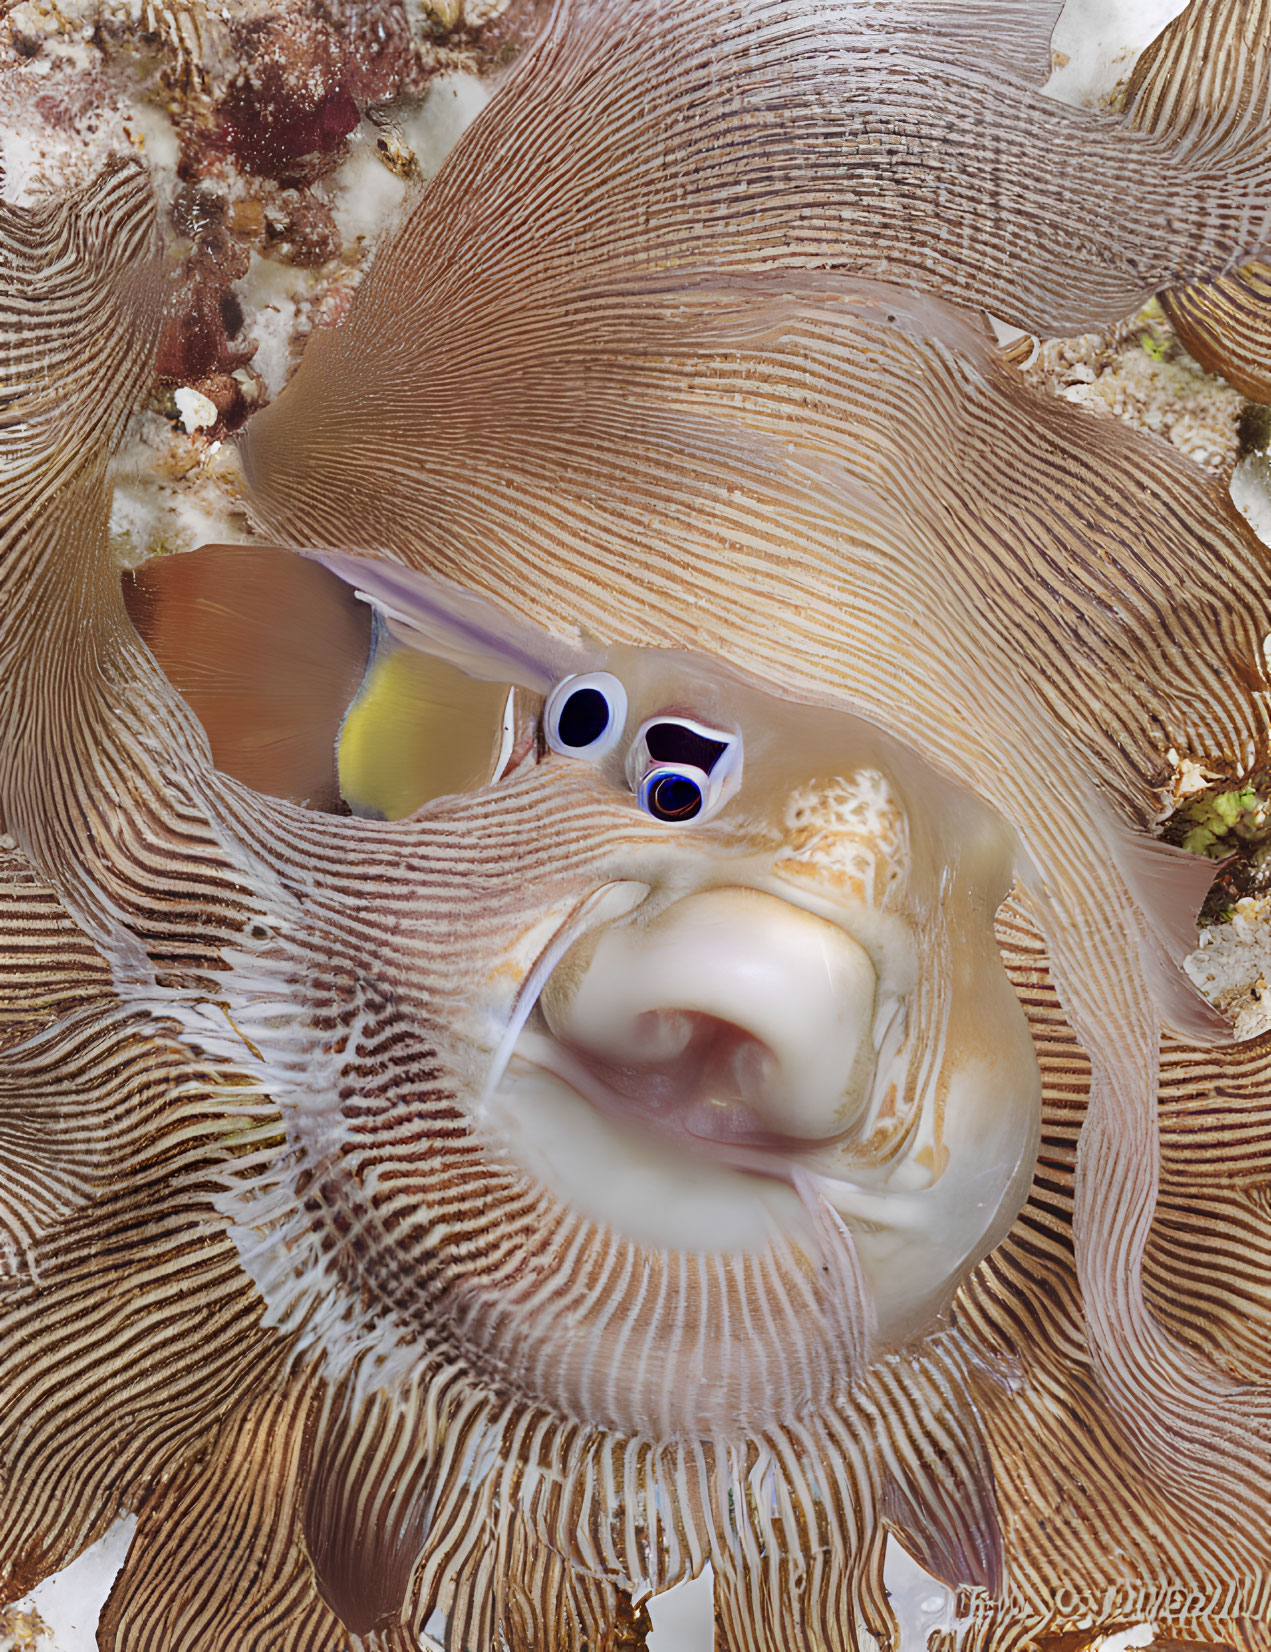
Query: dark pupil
point(583, 718)
point(674, 798)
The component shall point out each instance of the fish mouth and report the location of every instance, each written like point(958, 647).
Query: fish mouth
point(748, 1082)
point(709, 1054)
point(685, 1103)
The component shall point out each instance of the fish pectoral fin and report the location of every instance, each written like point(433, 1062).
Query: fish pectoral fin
point(942, 1503)
point(1183, 1007)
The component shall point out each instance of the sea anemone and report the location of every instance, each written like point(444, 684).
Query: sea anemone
point(636, 1129)
point(489, 1213)
point(663, 373)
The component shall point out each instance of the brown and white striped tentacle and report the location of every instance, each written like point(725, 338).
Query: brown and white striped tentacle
point(1206, 78)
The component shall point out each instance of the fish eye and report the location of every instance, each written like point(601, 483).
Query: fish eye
point(585, 715)
point(682, 770)
point(673, 794)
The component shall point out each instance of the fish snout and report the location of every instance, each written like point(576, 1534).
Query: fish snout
point(730, 1016)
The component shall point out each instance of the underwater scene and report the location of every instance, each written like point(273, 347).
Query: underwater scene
point(635, 825)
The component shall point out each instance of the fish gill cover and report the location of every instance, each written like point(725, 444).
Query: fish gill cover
point(487, 1206)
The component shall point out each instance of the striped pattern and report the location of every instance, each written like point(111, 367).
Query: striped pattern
point(1207, 79)
point(370, 1024)
point(411, 1420)
point(81, 290)
point(222, 1570)
point(1011, 34)
point(135, 1331)
point(601, 387)
point(221, 1559)
point(1082, 1507)
point(883, 141)
point(126, 1324)
point(37, 925)
point(1226, 325)
point(280, 1291)
point(181, 29)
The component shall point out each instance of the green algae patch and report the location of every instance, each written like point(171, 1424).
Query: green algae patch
point(1216, 823)
point(1231, 824)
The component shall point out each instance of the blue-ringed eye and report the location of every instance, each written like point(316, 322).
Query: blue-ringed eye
point(682, 770)
point(585, 715)
point(673, 794)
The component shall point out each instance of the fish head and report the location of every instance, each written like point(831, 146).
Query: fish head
point(687, 1005)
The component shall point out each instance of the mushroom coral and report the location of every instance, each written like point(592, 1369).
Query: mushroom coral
point(285, 1272)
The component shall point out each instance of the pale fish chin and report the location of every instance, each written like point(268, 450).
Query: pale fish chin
point(916, 1230)
point(917, 1227)
point(709, 1078)
point(641, 1185)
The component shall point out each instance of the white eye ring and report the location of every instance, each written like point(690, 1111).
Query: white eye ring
point(671, 758)
point(585, 715)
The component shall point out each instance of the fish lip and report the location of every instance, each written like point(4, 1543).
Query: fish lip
point(759, 1151)
point(614, 898)
point(756, 1152)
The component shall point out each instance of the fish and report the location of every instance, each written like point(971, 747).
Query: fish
point(764, 1007)
point(616, 1115)
point(706, 364)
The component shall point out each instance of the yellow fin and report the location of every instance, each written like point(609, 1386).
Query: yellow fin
point(419, 729)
